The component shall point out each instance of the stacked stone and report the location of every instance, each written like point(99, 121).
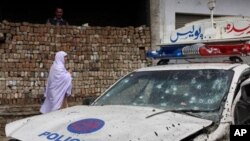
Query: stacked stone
point(98, 56)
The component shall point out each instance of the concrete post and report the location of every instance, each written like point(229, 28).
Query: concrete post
point(155, 23)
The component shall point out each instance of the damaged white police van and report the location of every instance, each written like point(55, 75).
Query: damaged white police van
point(172, 102)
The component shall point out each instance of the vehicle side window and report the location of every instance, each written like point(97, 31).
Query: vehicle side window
point(242, 108)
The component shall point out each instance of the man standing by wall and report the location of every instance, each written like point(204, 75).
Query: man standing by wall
point(58, 19)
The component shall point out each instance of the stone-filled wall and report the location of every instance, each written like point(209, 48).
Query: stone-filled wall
point(98, 56)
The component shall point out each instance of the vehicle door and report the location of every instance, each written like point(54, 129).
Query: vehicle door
point(241, 105)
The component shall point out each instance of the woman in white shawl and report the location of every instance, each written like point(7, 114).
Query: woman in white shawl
point(58, 86)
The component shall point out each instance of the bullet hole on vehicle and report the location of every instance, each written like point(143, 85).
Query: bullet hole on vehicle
point(109, 135)
point(156, 133)
point(27, 121)
point(139, 139)
point(179, 124)
point(222, 116)
point(168, 128)
point(153, 110)
point(173, 125)
point(74, 112)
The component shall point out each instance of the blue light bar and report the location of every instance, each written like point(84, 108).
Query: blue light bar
point(200, 50)
point(165, 52)
point(175, 51)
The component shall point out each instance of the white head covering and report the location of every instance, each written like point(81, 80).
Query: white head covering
point(59, 58)
point(59, 84)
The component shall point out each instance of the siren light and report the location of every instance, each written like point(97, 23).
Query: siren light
point(200, 50)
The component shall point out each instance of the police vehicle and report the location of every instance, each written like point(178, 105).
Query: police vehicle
point(168, 102)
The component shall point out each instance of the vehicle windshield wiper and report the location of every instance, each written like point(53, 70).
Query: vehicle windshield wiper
point(186, 111)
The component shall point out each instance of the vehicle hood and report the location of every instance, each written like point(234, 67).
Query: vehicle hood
point(106, 123)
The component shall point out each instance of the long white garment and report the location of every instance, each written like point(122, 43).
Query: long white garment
point(58, 86)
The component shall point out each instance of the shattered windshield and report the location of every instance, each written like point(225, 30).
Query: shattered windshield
point(171, 89)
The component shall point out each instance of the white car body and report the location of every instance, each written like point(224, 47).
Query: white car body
point(132, 122)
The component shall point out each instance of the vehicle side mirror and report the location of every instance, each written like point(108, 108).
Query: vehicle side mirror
point(88, 100)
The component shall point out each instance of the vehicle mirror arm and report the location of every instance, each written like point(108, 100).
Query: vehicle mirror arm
point(88, 100)
point(235, 59)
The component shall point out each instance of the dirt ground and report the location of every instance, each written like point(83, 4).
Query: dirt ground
point(4, 138)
